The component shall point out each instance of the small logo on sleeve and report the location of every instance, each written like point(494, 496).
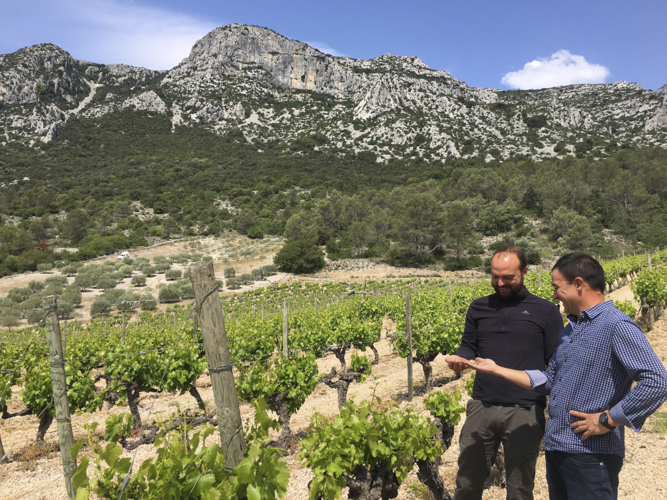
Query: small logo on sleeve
point(525, 312)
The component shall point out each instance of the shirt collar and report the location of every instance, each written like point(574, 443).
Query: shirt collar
point(596, 310)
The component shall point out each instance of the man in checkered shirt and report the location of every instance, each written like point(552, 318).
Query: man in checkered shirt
point(600, 353)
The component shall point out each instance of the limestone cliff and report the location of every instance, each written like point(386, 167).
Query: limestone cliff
point(273, 88)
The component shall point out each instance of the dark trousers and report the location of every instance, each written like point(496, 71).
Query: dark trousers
point(582, 476)
point(519, 429)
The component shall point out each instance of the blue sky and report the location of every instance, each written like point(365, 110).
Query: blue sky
point(486, 43)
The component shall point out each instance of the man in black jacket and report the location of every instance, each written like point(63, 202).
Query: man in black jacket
point(517, 329)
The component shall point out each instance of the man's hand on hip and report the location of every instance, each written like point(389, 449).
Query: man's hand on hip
point(590, 424)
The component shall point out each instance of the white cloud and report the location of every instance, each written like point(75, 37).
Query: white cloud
point(562, 68)
point(323, 47)
point(110, 31)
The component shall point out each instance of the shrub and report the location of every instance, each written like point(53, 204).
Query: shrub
point(161, 266)
point(44, 267)
point(148, 303)
point(112, 295)
point(147, 270)
point(233, 284)
point(72, 294)
point(139, 262)
point(65, 309)
point(53, 289)
point(626, 307)
point(463, 264)
point(169, 293)
point(127, 302)
point(100, 307)
point(269, 270)
point(105, 282)
point(185, 290)
point(299, 257)
point(255, 233)
point(9, 318)
point(139, 280)
point(34, 316)
point(118, 276)
point(531, 248)
point(83, 281)
point(56, 280)
point(172, 274)
point(69, 270)
point(246, 279)
point(36, 286)
point(230, 272)
point(126, 271)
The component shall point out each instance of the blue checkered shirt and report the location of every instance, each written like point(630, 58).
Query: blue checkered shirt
point(598, 357)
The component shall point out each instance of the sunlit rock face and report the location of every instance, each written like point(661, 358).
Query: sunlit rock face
point(272, 88)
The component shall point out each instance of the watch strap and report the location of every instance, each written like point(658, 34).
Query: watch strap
point(604, 421)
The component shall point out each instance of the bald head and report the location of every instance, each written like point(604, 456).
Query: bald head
point(507, 273)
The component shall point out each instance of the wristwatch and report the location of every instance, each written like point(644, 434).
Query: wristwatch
point(604, 420)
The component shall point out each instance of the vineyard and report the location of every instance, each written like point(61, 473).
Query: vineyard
point(278, 340)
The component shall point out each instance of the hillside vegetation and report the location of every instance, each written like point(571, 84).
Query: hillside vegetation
point(385, 158)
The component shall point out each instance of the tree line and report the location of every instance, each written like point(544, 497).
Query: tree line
point(109, 183)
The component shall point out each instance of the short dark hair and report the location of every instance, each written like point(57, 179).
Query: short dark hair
point(581, 265)
point(523, 262)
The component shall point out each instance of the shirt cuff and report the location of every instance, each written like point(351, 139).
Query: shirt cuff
point(537, 378)
point(616, 413)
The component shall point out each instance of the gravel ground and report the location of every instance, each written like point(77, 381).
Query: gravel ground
point(643, 475)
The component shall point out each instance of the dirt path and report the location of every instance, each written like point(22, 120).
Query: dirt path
point(643, 476)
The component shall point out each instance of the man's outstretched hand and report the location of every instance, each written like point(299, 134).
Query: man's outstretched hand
point(456, 363)
point(482, 365)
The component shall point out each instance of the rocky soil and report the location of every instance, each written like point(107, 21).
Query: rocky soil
point(642, 476)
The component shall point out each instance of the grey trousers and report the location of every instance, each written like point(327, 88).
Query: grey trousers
point(520, 430)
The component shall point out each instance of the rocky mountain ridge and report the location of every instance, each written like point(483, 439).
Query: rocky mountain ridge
point(270, 88)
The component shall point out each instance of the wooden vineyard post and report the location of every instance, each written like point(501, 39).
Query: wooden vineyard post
point(64, 335)
point(451, 293)
point(195, 323)
point(408, 331)
point(262, 311)
point(4, 459)
point(122, 334)
point(60, 402)
point(539, 278)
point(105, 325)
point(285, 330)
point(650, 266)
point(174, 319)
point(212, 319)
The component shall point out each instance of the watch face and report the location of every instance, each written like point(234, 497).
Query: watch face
point(604, 420)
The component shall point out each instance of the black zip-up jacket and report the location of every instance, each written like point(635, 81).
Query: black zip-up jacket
point(521, 333)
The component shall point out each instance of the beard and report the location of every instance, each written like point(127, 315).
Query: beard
point(509, 292)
